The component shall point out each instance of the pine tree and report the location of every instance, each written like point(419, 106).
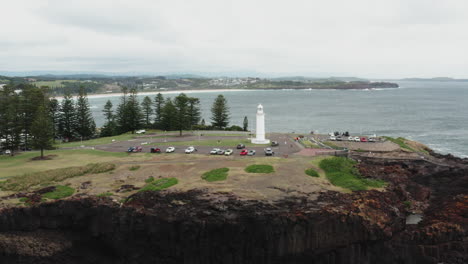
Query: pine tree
point(168, 115)
point(67, 121)
point(147, 110)
point(54, 112)
point(193, 111)
point(182, 121)
point(30, 98)
point(220, 113)
point(203, 122)
point(41, 130)
point(85, 125)
point(121, 117)
point(246, 123)
point(109, 127)
point(11, 124)
point(159, 104)
point(133, 112)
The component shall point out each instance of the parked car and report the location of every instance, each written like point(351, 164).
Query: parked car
point(244, 152)
point(190, 150)
point(214, 151)
point(251, 152)
point(130, 149)
point(228, 152)
point(274, 143)
point(351, 138)
point(141, 131)
point(357, 139)
point(170, 149)
point(363, 139)
point(333, 138)
point(339, 138)
point(220, 152)
point(269, 152)
point(371, 139)
point(155, 150)
point(240, 146)
point(7, 152)
point(138, 149)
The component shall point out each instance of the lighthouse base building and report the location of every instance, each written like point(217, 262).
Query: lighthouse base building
point(260, 127)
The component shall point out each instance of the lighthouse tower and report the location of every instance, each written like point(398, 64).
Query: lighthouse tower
point(260, 138)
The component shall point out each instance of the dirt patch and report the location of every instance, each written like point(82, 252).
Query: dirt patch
point(47, 157)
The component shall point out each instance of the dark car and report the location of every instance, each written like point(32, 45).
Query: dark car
point(240, 146)
point(155, 150)
point(130, 149)
point(274, 143)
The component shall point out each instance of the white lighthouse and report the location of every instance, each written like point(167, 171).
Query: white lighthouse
point(260, 138)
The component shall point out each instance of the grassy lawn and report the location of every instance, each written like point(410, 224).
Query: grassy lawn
point(311, 172)
point(97, 141)
point(259, 168)
point(400, 142)
point(222, 135)
point(213, 143)
point(342, 172)
point(60, 192)
point(22, 163)
point(25, 181)
point(216, 175)
point(309, 144)
point(160, 184)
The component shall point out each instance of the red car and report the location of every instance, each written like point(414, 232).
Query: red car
point(138, 149)
point(244, 152)
point(363, 139)
point(155, 150)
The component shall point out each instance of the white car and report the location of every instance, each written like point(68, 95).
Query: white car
point(214, 151)
point(332, 138)
point(7, 152)
point(170, 149)
point(371, 139)
point(190, 150)
point(141, 131)
point(228, 152)
point(357, 139)
point(351, 138)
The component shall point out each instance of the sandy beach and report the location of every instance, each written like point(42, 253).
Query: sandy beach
point(165, 92)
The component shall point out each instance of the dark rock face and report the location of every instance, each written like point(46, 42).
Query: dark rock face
point(197, 227)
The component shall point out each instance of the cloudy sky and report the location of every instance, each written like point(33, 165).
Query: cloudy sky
point(365, 38)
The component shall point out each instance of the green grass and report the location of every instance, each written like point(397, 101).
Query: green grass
point(342, 172)
point(105, 194)
point(52, 84)
point(221, 135)
point(97, 141)
point(22, 163)
point(150, 179)
point(160, 184)
point(134, 168)
point(312, 172)
point(309, 144)
point(331, 145)
point(60, 192)
point(400, 142)
point(212, 143)
point(28, 180)
point(259, 168)
point(216, 175)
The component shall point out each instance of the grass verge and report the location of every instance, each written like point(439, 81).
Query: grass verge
point(311, 172)
point(342, 172)
point(60, 192)
point(400, 141)
point(216, 175)
point(25, 181)
point(259, 168)
point(160, 184)
point(212, 143)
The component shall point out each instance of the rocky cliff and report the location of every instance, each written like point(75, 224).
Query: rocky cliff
point(201, 227)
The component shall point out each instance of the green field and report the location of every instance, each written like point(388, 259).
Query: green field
point(216, 175)
point(96, 142)
point(213, 143)
point(22, 163)
point(52, 84)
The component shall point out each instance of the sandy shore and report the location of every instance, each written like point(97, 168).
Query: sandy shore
point(165, 92)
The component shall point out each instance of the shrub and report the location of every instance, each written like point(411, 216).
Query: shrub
point(25, 181)
point(312, 172)
point(258, 168)
point(60, 192)
point(342, 172)
point(216, 175)
point(134, 167)
point(160, 184)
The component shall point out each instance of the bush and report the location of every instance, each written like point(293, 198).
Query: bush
point(60, 192)
point(216, 175)
point(312, 172)
point(134, 168)
point(342, 172)
point(260, 169)
point(25, 181)
point(160, 184)
point(234, 128)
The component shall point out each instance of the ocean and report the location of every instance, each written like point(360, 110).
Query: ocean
point(434, 113)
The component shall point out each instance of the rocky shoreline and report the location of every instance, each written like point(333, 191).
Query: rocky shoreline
point(200, 227)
